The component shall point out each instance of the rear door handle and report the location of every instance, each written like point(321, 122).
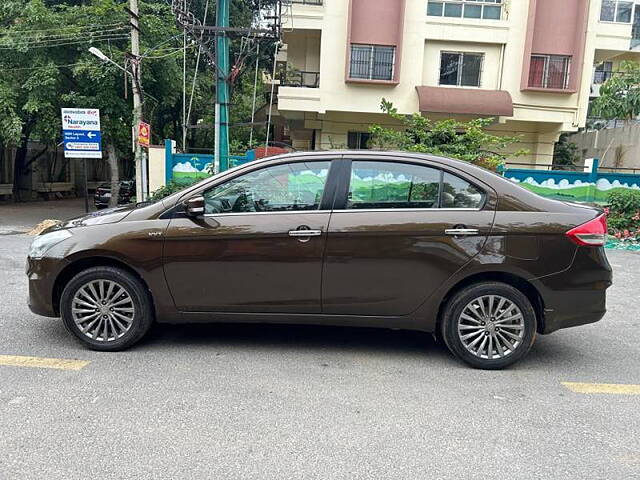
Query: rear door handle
point(462, 231)
point(305, 233)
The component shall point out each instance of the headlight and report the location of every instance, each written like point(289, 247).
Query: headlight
point(44, 242)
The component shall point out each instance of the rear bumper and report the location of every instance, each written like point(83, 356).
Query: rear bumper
point(576, 296)
point(573, 309)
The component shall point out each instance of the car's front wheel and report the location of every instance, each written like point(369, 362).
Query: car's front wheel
point(489, 325)
point(106, 308)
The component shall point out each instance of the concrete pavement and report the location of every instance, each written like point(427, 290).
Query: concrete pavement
point(279, 402)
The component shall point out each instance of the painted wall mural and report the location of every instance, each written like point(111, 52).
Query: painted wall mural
point(589, 186)
point(187, 167)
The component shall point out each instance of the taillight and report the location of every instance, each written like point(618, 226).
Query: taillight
point(593, 233)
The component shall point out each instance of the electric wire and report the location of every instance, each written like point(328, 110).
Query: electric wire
point(107, 25)
point(104, 38)
point(195, 74)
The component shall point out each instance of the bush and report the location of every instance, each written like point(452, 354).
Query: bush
point(467, 141)
point(172, 187)
point(624, 213)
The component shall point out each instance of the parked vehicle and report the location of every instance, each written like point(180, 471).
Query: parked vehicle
point(374, 239)
point(102, 194)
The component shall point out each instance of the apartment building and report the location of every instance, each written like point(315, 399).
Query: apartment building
point(529, 64)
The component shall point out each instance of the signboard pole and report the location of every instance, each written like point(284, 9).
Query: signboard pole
point(85, 185)
point(82, 139)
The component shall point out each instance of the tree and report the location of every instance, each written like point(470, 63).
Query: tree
point(620, 95)
point(45, 65)
point(565, 152)
point(466, 141)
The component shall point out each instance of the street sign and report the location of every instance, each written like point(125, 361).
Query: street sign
point(144, 134)
point(81, 133)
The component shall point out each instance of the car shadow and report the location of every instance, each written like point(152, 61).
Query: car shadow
point(286, 337)
point(549, 353)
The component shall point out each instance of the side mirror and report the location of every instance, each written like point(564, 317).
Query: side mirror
point(194, 206)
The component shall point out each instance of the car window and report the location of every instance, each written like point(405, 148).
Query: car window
point(458, 193)
point(393, 185)
point(289, 187)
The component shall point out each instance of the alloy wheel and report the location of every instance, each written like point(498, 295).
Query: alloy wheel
point(103, 310)
point(491, 327)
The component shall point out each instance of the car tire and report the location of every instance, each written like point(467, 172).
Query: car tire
point(489, 325)
point(106, 308)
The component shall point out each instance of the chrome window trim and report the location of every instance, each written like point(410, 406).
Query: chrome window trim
point(396, 210)
point(294, 212)
point(362, 210)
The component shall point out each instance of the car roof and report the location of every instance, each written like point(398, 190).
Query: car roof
point(390, 155)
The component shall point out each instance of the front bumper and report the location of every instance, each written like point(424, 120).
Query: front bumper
point(42, 273)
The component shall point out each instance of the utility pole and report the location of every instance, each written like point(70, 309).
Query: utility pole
point(220, 59)
point(221, 147)
point(137, 97)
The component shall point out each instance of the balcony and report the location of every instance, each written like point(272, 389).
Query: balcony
point(297, 78)
point(304, 14)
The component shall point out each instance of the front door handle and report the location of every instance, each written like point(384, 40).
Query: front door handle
point(305, 233)
point(461, 231)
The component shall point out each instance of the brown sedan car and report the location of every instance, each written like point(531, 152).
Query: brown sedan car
point(374, 239)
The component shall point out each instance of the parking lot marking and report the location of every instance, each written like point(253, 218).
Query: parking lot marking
point(611, 388)
point(41, 362)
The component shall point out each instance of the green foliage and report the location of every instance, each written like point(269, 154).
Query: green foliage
point(41, 74)
point(565, 152)
point(624, 212)
point(620, 95)
point(466, 141)
point(171, 188)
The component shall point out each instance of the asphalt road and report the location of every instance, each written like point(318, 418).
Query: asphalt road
point(278, 402)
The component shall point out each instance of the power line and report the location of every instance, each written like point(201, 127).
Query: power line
point(42, 67)
point(168, 54)
point(70, 27)
point(46, 41)
point(62, 36)
point(77, 42)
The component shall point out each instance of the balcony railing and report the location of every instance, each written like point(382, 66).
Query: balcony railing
point(300, 79)
point(601, 76)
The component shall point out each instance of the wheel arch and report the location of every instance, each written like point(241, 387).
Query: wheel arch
point(80, 264)
point(516, 281)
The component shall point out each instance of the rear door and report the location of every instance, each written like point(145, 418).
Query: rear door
point(397, 232)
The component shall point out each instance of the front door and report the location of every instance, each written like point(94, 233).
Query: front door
point(258, 247)
point(403, 230)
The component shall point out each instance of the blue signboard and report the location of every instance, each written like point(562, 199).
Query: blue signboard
point(81, 133)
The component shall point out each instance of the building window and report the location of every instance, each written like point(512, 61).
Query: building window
point(461, 69)
point(616, 11)
point(549, 71)
point(486, 9)
point(358, 140)
point(372, 62)
point(603, 72)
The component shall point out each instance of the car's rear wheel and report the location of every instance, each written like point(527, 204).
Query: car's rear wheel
point(489, 325)
point(106, 308)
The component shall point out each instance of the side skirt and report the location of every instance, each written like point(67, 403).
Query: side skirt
point(402, 323)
